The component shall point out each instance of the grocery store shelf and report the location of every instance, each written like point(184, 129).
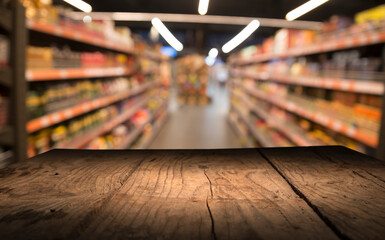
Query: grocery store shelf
point(241, 137)
point(6, 136)
point(317, 117)
point(346, 42)
point(81, 141)
point(347, 85)
point(68, 33)
point(155, 56)
point(5, 77)
point(66, 114)
point(5, 18)
point(156, 128)
point(150, 71)
point(294, 134)
point(260, 138)
point(73, 73)
point(131, 137)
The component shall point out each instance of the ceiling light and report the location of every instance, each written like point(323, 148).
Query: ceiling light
point(303, 9)
point(240, 37)
point(210, 61)
point(203, 7)
point(213, 53)
point(85, 7)
point(166, 34)
point(87, 19)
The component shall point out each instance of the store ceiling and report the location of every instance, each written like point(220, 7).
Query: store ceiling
point(247, 8)
point(218, 34)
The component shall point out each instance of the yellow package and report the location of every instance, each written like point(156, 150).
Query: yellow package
point(374, 14)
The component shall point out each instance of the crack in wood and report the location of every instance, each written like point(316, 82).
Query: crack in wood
point(212, 219)
point(325, 219)
point(208, 206)
point(362, 176)
point(211, 185)
point(371, 174)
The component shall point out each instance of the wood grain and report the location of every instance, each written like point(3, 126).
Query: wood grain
point(57, 194)
point(299, 193)
point(217, 194)
point(346, 188)
point(165, 198)
point(252, 201)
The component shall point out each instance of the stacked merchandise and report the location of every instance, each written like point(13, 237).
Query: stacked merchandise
point(44, 13)
point(47, 97)
point(157, 109)
point(316, 95)
point(56, 58)
point(139, 128)
point(192, 80)
point(53, 137)
point(339, 28)
point(152, 62)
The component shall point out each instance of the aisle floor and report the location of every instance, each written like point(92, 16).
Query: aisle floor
point(198, 127)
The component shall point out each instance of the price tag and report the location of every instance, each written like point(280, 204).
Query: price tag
point(68, 114)
point(351, 131)
point(44, 122)
point(86, 107)
point(337, 125)
point(56, 118)
point(63, 74)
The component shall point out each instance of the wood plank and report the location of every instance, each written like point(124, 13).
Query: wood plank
point(250, 200)
point(346, 188)
point(57, 194)
point(165, 198)
point(203, 194)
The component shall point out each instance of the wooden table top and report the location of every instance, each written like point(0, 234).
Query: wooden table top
point(276, 193)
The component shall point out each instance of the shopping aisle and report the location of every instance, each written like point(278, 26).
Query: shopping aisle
point(194, 127)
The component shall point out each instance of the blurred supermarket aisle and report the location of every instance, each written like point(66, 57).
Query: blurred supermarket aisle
point(192, 126)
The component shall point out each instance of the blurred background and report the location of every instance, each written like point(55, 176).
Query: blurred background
point(162, 74)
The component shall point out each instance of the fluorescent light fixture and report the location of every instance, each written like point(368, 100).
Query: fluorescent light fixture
point(85, 7)
point(210, 61)
point(240, 37)
point(213, 53)
point(87, 19)
point(166, 34)
point(203, 7)
point(196, 18)
point(304, 8)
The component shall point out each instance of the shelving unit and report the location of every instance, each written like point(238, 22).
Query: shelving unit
point(13, 135)
point(81, 141)
point(70, 34)
point(145, 142)
point(66, 114)
point(64, 74)
point(139, 93)
point(244, 77)
point(345, 42)
point(296, 136)
point(367, 87)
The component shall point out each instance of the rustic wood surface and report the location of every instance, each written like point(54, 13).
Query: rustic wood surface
point(298, 193)
point(346, 188)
